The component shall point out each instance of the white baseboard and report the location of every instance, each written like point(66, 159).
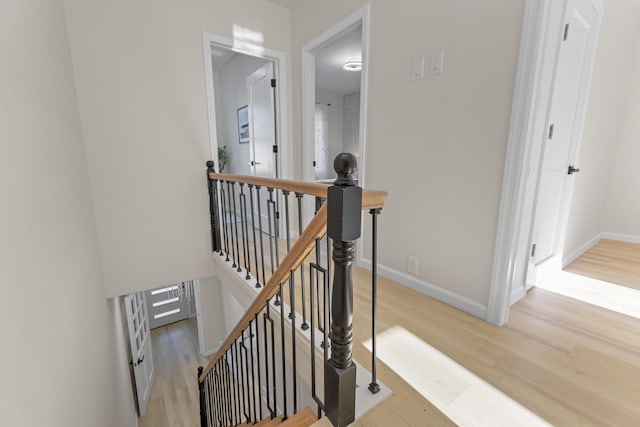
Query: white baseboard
point(444, 295)
point(568, 259)
point(628, 238)
point(517, 294)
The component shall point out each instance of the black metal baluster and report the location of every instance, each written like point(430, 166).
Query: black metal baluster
point(374, 387)
point(223, 219)
point(213, 208)
point(208, 397)
point(304, 325)
point(288, 232)
point(235, 223)
point(274, 385)
point(313, 267)
point(243, 376)
point(230, 413)
point(201, 393)
point(236, 375)
point(284, 361)
point(264, 277)
point(259, 370)
point(253, 371)
point(294, 370)
point(231, 224)
point(245, 233)
point(216, 394)
point(267, 318)
point(344, 205)
point(255, 241)
point(273, 249)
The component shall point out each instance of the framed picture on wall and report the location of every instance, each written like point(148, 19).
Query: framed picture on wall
point(243, 124)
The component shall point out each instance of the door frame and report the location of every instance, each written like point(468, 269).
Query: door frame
point(539, 51)
point(278, 58)
point(308, 52)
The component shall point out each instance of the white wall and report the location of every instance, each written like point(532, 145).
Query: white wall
point(232, 89)
point(212, 315)
point(139, 71)
point(352, 124)
point(623, 206)
point(62, 359)
point(610, 122)
point(437, 145)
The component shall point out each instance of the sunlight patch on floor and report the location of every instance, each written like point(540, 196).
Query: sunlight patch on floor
point(462, 396)
point(596, 292)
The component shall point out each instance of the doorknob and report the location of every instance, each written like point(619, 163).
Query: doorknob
point(252, 163)
point(572, 170)
point(140, 360)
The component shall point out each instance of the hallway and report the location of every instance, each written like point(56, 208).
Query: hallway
point(174, 396)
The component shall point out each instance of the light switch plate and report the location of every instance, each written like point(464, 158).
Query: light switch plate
point(436, 62)
point(417, 68)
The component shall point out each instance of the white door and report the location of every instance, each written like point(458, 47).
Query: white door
point(170, 304)
point(140, 344)
point(564, 128)
point(262, 127)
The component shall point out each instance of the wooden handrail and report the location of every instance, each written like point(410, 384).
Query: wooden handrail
point(371, 199)
point(316, 229)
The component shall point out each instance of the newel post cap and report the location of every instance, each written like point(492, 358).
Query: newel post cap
point(344, 201)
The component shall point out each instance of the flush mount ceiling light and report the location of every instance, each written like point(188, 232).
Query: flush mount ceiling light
point(353, 64)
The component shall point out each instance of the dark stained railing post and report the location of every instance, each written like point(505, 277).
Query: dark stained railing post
point(344, 205)
point(213, 208)
point(203, 405)
point(374, 387)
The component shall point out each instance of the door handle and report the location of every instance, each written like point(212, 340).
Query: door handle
point(140, 360)
point(572, 170)
point(252, 163)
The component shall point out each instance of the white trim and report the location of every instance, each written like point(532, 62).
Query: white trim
point(568, 259)
point(605, 235)
point(628, 238)
point(280, 67)
point(359, 16)
point(514, 218)
point(444, 295)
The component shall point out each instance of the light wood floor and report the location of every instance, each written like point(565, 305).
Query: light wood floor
point(611, 261)
point(174, 395)
point(571, 363)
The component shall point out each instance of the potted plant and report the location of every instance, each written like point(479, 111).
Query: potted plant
point(223, 157)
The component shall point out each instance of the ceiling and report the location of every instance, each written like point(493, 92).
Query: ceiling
point(330, 75)
point(220, 56)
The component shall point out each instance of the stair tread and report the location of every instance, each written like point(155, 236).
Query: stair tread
point(322, 422)
point(304, 418)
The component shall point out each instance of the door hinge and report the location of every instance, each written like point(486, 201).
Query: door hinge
point(566, 32)
point(275, 149)
point(277, 215)
point(551, 129)
point(533, 250)
point(314, 163)
point(273, 82)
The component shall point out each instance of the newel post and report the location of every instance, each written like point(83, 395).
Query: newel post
point(213, 209)
point(344, 205)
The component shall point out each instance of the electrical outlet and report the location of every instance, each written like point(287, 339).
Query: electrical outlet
point(412, 265)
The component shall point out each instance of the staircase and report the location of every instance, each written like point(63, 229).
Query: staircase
point(291, 350)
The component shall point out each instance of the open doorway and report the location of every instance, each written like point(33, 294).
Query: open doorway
point(246, 97)
point(334, 92)
point(338, 67)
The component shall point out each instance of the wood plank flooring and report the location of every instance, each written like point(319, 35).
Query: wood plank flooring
point(174, 395)
point(611, 261)
point(571, 363)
